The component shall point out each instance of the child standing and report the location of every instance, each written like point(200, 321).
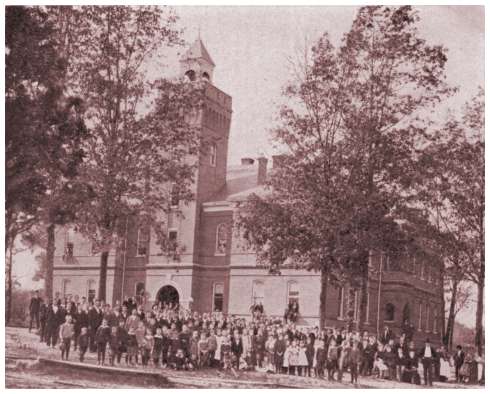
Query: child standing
point(287, 352)
point(320, 357)
point(157, 347)
point(332, 359)
point(114, 346)
point(302, 359)
point(132, 347)
point(102, 337)
point(66, 334)
point(83, 341)
point(293, 357)
point(203, 350)
point(147, 347)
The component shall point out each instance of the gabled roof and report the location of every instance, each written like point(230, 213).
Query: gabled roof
point(198, 51)
point(241, 181)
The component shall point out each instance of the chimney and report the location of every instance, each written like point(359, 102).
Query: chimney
point(277, 160)
point(262, 172)
point(247, 161)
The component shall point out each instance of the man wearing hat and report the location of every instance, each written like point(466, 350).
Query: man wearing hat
point(427, 356)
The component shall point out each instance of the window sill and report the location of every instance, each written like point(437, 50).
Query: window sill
point(389, 321)
point(220, 254)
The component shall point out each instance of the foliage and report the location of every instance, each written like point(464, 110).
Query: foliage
point(351, 134)
point(143, 138)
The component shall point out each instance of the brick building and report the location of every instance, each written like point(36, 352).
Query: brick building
point(215, 271)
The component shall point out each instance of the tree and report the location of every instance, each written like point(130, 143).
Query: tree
point(455, 176)
point(134, 153)
point(42, 124)
point(351, 134)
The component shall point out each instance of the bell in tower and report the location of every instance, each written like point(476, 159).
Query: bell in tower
point(196, 62)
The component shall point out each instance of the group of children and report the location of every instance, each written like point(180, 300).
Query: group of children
point(169, 337)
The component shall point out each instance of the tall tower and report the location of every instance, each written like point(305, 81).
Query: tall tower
point(197, 63)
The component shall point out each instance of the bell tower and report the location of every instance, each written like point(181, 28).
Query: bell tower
point(196, 63)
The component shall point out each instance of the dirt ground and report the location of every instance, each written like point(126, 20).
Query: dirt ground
point(22, 370)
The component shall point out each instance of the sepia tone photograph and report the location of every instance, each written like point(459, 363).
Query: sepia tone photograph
point(244, 197)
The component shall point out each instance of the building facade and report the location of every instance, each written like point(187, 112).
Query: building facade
point(214, 270)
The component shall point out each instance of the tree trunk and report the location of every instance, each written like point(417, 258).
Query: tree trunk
point(323, 298)
point(479, 319)
point(50, 248)
point(442, 309)
point(8, 288)
point(363, 295)
point(104, 257)
point(351, 308)
point(448, 333)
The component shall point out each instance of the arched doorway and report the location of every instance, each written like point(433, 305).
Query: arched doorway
point(168, 295)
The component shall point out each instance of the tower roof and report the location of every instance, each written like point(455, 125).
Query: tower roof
point(198, 51)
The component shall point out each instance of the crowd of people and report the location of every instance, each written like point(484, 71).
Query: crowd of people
point(169, 336)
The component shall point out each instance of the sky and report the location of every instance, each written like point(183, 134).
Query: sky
point(252, 46)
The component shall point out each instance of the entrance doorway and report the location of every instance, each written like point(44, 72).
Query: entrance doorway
point(168, 295)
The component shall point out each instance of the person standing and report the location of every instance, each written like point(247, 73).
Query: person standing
point(95, 316)
point(66, 335)
point(53, 322)
point(34, 308)
point(427, 356)
point(458, 361)
point(43, 316)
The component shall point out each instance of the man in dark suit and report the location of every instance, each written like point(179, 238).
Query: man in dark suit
point(427, 355)
point(458, 361)
point(54, 319)
point(95, 316)
point(386, 335)
point(34, 308)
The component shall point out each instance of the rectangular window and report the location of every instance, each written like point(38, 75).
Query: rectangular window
point(386, 262)
point(427, 318)
point(293, 292)
point(420, 317)
point(257, 293)
point(356, 305)
point(66, 291)
point(143, 241)
point(434, 325)
point(69, 249)
point(340, 303)
point(422, 270)
point(174, 196)
point(172, 240)
point(212, 155)
point(218, 291)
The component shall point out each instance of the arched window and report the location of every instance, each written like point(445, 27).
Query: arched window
point(174, 196)
point(221, 239)
point(91, 290)
point(257, 292)
point(389, 312)
point(142, 241)
point(218, 291)
point(205, 75)
point(293, 292)
point(191, 75)
point(434, 324)
point(213, 155)
point(340, 303)
point(66, 290)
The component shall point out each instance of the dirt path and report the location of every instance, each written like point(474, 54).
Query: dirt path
point(22, 371)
